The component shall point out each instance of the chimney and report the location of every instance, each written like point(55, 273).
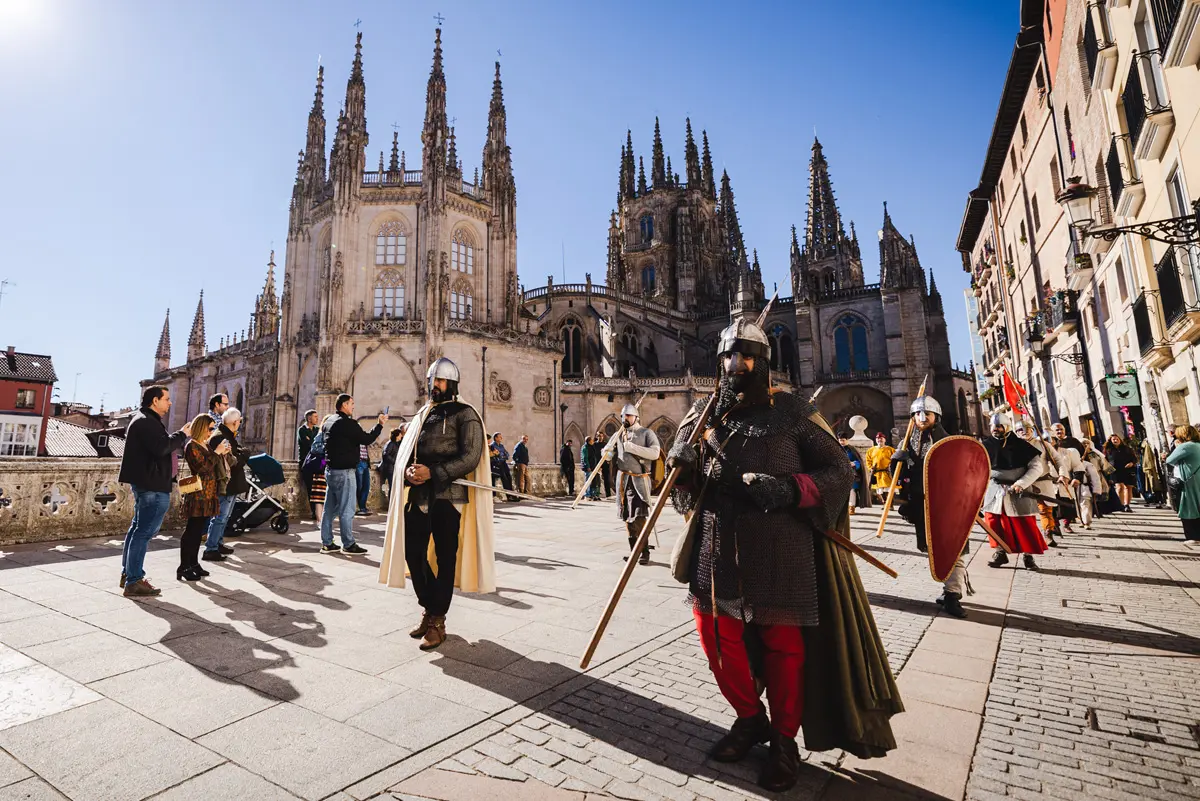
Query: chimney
point(11, 351)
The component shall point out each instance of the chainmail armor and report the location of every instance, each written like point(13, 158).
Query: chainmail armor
point(762, 562)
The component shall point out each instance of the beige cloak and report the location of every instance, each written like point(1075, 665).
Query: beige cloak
point(476, 571)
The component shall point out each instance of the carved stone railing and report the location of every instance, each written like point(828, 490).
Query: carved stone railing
point(504, 333)
point(389, 327)
point(657, 384)
point(46, 499)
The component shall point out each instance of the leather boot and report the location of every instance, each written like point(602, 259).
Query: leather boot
point(743, 735)
point(421, 628)
point(950, 602)
point(1029, 563)
point(783, 765)
point(999, 558)
point(435, 634)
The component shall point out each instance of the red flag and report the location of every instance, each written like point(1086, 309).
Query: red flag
point(1014, 394)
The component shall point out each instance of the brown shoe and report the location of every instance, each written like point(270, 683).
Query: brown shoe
point(141, 589)
point(421, 628)
point(783, 765)
point(435, 635)
point(122, 582)
point(744, 735)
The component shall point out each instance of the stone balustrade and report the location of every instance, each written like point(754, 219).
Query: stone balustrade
point(45, 499)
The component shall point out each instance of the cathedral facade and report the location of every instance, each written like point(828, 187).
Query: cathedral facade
point(678, 267)
point(387, 268)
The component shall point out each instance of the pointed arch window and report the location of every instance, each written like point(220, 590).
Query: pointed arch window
point(461, 301)
point(391, 244)
point(389, 294)
point(462, 252)
point(850, 345)
point(646, 227)
point(648, 285)
point(572, 336)
point(782, 349)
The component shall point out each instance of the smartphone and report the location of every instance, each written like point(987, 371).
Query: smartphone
point(387, 409)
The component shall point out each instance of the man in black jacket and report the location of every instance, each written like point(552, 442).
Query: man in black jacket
point(305, 435)
point(215, 549)
point(566, 465)
point(343, 436)
point(149, 471)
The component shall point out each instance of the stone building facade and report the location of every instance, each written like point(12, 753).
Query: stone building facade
point(388, 268)
point(678, 267)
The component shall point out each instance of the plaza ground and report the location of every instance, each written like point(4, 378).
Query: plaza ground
point(290, 674)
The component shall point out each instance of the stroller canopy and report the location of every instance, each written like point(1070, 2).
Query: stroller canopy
point(267, 471)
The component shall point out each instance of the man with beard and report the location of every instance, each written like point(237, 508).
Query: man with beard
point(636, 450)
point(927, 429)
point(444, 442)
point(774, 600)
point(1016, 466)
point(1066, 453)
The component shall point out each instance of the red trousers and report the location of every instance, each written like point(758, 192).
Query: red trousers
point(784, 657)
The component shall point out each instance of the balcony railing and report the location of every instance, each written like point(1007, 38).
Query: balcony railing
point(1133, 99)
point(1166, 15)
point(1034, 328)
point(1063, 308)
point(1119, 167)
point(1002, 338)
point(1095, 38)
point(1170, 289)
point(1141, 323)
point(851, 376)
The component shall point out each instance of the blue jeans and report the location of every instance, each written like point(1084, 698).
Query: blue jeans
point(217, 523)
point(340, 489)
point(362, 477)
point(149, 509)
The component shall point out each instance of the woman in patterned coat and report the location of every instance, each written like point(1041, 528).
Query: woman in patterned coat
point(210, 467)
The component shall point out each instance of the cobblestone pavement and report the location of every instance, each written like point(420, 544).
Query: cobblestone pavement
point(289, 675)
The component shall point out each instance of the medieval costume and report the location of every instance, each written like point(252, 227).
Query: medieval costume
point(1045, 489)
point(1071, 475)
point(879, 462)
point(1016, 465)
point(774, 598)
point(927, 430)
point(856, 463)
point(635, 451)
point(440, 530)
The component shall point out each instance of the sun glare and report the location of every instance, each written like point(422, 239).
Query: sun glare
point(17, 16)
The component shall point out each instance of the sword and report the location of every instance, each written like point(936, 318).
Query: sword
point(812, 398)
point(477, 485)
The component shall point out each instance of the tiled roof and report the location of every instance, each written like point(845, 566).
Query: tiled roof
point(26, 367)
point(67, 439)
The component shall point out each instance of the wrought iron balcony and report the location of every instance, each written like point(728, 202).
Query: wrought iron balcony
point(1002, 338)
point(1064, 311)
point(851, 377)
point(1124, 184)
point(1170, 290)
point(1166, 15)
point(1034, 328)
point(1133, 99)
point(1156, 354)
point(1147, 111)
point(1098, 46)
point(1177, 23)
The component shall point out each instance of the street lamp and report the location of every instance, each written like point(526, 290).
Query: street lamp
point(563, 409)
point(1077, 197)
point(1038, 347)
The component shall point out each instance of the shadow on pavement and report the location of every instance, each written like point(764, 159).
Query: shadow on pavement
point(236, 653)
point(536, 562)
point(1155, 581)
point(640, 726)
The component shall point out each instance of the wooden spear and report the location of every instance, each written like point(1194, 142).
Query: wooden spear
point(887, 507)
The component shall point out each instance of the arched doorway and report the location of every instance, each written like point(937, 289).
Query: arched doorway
point(839, 404)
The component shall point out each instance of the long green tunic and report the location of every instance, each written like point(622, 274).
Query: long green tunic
point(1185, 461)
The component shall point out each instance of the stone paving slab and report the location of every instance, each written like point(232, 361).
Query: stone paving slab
point(1077, 676)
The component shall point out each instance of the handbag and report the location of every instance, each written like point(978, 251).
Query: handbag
point(190, 484)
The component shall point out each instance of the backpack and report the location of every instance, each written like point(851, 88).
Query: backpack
point(314, 462)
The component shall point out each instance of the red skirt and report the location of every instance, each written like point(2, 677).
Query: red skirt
point(1021, 534)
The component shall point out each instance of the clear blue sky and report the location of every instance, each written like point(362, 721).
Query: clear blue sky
point(149, 148)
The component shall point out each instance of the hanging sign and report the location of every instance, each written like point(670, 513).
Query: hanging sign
point(1122, 391)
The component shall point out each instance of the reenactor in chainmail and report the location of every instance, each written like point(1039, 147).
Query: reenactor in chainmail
point(927, 429)
point(767, 479)
point(634, 454)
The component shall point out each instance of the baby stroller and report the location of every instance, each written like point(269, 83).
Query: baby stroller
point(258, 507)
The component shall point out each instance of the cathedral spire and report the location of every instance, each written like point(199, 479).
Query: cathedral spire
point(350, 143)
point(658, 171)
point(823, 232)
point(394, 164)
point(497, 156)
point(707, 176)
point(452, 153)
point(197, 348)
point(162, 356)
point(670, 173)
point(630, 172)
point(621, 177)
point(729, 220)
point(641, 177)
point(265, 320)
point(433, 134)
point(314, 143)
point(691, 158)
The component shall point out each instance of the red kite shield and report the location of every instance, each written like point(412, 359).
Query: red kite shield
point(956, 477)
